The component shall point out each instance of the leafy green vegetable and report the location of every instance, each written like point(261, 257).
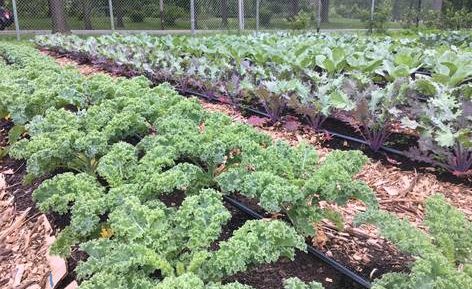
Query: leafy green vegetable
point(443, 255)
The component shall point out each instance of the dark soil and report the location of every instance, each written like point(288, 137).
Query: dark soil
point(304, 266)
point(173, 200)
point(382, 261)
point(271, 276)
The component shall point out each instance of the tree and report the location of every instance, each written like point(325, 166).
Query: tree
point(397, 9)
point(87, 14)
point(224, 13)
point(59, 21)
point(325, 11)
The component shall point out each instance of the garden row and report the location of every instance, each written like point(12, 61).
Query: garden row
point(374, 85)
point(111, 148)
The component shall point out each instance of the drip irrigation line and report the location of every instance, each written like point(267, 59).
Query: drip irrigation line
point(339, 135)
point(361, 141)
point(311, 250)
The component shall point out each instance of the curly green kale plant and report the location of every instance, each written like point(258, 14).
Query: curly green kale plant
point(443, 254)
point(82, 197)
point(293, 181)
point(154, 245)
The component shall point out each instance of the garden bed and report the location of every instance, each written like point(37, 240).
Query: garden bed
point(111, 178)
point(268, 276)
point(398, 182)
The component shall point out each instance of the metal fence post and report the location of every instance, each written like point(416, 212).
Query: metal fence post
point(161, 13)
point(15, 16)
point(112, 18)
point(258, 3)
point(192, 16)
point(318, 17)
point(372, 11)
point(241, 14)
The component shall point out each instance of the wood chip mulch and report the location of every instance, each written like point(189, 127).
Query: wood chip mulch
point(23, 244)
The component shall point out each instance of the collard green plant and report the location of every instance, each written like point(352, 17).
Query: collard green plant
point(332, 60)
point(451, 69)
point(376, 110)
point(403, 64)
point(316, 106)
point(275, 95)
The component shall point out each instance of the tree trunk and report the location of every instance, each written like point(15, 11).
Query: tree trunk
point(87, 11)
point(397, 10)
point(295, 7)
point(59, 21)
point(437, 5)
point(418, 12)
point(118, 13)
point(224, 13)
point(325, 11)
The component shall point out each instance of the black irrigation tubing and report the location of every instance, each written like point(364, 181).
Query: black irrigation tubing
point(311, 250)
point(354, 139)
point(338, 135)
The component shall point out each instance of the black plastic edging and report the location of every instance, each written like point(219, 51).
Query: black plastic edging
point(339, 135)
point(316, 253)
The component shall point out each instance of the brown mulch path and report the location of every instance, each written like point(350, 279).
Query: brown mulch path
point(24, 242)
point(401, 192)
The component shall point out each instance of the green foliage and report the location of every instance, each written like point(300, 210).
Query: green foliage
point(117, 165)
point(300, 21)
point(153, 237)
point(250, 70)
point(380, 18)
point(295, 283)
point(256, 242)
point(78, 194)
point(172, 13)
point(290, 180)
point(137, 16)
point(265, 16)
point(443, 254)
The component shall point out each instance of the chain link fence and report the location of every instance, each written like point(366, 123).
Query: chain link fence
point(219, 15)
